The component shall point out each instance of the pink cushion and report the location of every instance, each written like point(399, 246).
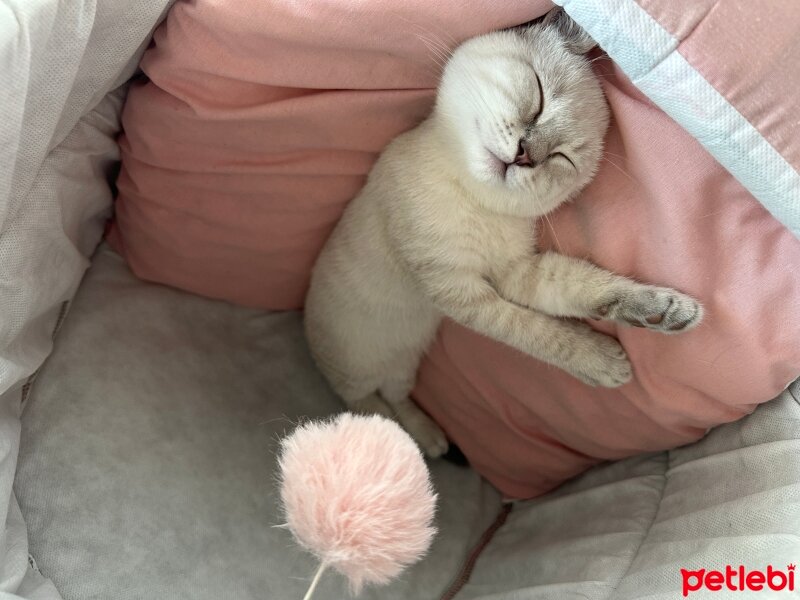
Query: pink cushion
point(261, 120)
point(259, 123)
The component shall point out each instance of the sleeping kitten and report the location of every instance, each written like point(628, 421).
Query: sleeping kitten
point(444, 228)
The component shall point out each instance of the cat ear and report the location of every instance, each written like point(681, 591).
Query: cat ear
point(576, 39)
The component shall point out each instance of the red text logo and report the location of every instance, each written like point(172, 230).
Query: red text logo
point(738, 580)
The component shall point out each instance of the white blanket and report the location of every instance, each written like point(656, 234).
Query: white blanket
point(58, 60)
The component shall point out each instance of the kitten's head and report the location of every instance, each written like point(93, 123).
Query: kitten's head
point(524, 113)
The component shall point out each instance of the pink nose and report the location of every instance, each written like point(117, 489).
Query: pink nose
point(522, 159)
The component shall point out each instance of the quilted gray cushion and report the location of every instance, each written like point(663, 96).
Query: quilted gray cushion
point(624, 531)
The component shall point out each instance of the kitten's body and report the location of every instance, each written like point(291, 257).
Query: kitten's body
point(443, 227)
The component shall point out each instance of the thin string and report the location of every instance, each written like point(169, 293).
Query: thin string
point(314, 583)
point(466, 570)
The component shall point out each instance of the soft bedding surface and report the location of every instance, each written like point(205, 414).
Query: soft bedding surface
point(726, 71)
point(624, 531)
point(63, 66)
point(130, 471)
point(260, 120)
point(147, 466)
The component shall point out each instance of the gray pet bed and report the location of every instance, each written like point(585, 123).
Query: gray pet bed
point(146, 463)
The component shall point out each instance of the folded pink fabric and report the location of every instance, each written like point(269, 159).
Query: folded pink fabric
point(260, 121)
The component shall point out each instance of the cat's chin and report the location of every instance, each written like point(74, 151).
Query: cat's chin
point(501, 180)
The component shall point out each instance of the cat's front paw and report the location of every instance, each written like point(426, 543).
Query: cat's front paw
point(428, 435)
point(600, 360)
point(659, 309)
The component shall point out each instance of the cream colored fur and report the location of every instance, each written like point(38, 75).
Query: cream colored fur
point(444, 228)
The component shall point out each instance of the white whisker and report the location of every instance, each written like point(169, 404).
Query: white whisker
point(553, 231)
point(621, 170)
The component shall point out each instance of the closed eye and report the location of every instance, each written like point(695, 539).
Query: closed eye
point(531, 122)
point(541, 100)
point(564, 156)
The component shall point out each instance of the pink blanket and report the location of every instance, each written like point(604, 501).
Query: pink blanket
point(261, 118)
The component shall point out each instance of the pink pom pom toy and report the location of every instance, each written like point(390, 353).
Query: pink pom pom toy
point(357, 494)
